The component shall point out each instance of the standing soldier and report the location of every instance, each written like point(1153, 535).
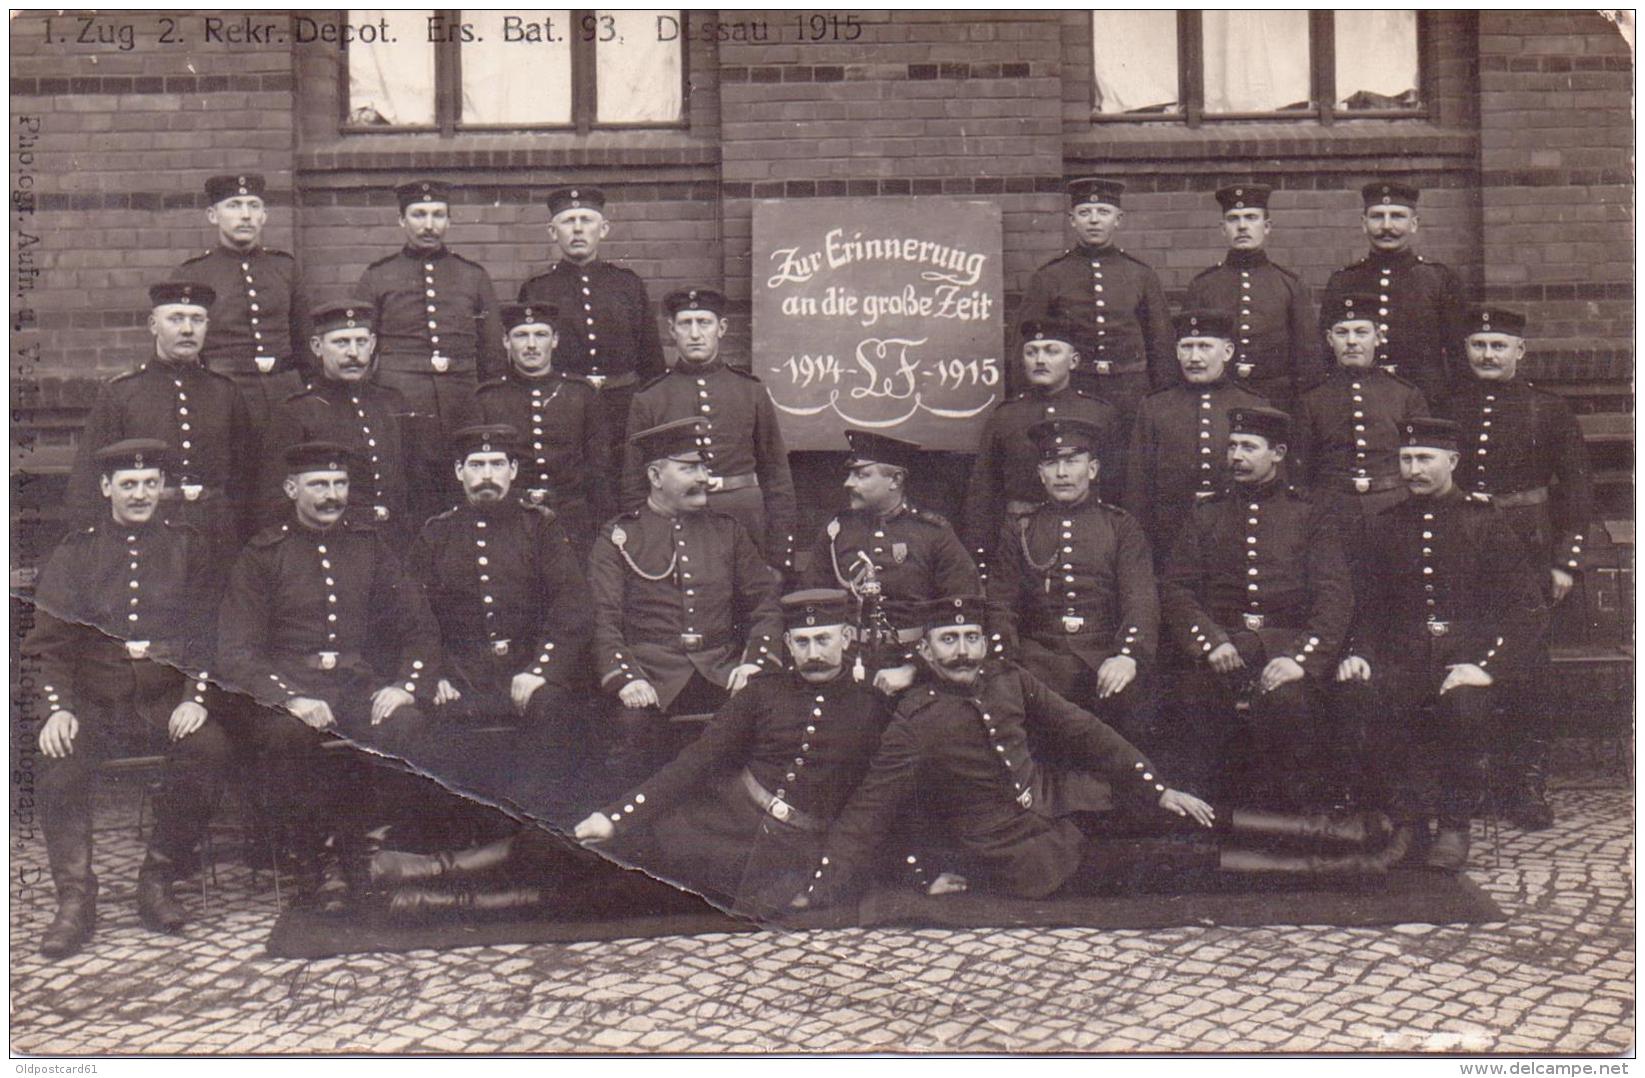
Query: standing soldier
point(912, 555)
point(1276, 354)
point(1521, 445)
point(1115, 299)
point(565, 451)
point(123, 609)
point(1257, 595)
point(742, 445)
point(438, 332)
point(1179, 443)
point(1347, 428)
point(343, 406)
point(610, 340)
point(1449, 605)
point(256, 323)
point(1419, 311)
point(1005, 479)
point(173, 399)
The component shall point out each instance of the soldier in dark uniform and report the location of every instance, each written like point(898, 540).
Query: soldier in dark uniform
point(256, 323)
point(320, 626)
point(438, 334)
point(1005, 478)
point(1115, 299)
point(912, 555)
point(1522, 446)
point(120, 644)
point(610, 340)
point(1419, 302)
point(1448, 606)
point(1179, 442)
point(685, 610)
point(172, 398)
point(343, 406)
point(1257, 595)
point(1077, 583)
point(566, 460)
point(742, 444)
point(1276, 352)
point(960, 741)
point(1347, 428)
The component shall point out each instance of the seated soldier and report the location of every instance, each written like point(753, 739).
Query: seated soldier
point(121, 632)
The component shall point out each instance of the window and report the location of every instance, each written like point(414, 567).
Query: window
point(1190, 66)
point(426, 70)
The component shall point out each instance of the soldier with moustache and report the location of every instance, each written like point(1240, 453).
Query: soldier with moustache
point(1258, 596)
point(173, 398)
point(610, 341)
point(565, 448)
point(911, 554)
point(121, 642)
point(344, 406)
point(439, 334)
point(1419, 308)
point(256, 322)
point(1521, 445)
point(742, 443)
point(1114, 298)
point(1276, 354)
point(1004, 483)
point(1449, 607)
point(1178, 443)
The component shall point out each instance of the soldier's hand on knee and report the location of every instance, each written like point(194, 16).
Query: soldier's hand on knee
point(386, 700)
point(1115, 673)
point(739, 677)
point(894, 679)
point(1353, 668)
point(593, 828)
point(1189, 806)
point(1281, 670)
point(520, 690)
point(58, 734)
point(1225, 659)
point(445, 693)
point(1563, 582)
point(1463, 674)
point(186, 718)
point(314, 713)
point(638, 694)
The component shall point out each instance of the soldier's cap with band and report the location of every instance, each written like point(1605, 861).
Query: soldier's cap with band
point(1095, 189)
point(869, 447)
point(515, 315)
point(575, 198)
point(1244, 196)
point(1053, 329)
point(816, 606)
point(414, 191)
point(318, 457)
point(1269, 423)
point(1496, 320)
point(341, 313)
point(184, 292)
point(1054, 438)
point(219, 188)
point(486, 438)
point(1352, 307)
point(954, 610)
point(678, 440)
point(1390, 193)
point(695, 299)
point(131, 454)
point(1430, 433)
point(1203, 323)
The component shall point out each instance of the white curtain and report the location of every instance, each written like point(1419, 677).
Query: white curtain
point(392, 82)
point(637, 73)
point(1255, 61)
point(520, 81)
point(1376, 54)
point(1135, 57)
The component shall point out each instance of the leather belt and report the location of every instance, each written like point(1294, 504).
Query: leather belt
point(1438, 628)
point(1109, 367)
point(328, 660)
point(1534, 496)
point(1372, 484)
point(190, 492)
point(249, 364)
point(688, 641)
point(1016, 507)
point(777, 808)
point(599, 382)
point(724, 484)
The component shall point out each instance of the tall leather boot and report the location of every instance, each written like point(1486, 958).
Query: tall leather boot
point(157, 908)
point(1459, 801)
point(1368, 830)
point(1527, 781)
point(445, 898)
point(1273, 862)
point(392, 868)
point(68, 847)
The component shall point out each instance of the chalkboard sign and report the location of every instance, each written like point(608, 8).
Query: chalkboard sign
point(882, 313)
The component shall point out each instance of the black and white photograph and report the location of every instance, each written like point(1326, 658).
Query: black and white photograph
point(823, 532)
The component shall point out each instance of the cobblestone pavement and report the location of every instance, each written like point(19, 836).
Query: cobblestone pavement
point(1558, 976)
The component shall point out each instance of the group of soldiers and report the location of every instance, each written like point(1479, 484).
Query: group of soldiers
point(1276, 574)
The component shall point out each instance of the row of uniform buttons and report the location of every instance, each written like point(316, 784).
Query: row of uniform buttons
point(805, 747)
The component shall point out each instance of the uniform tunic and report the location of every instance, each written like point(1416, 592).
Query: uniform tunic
point(741, 440)
point(1277, 353)
point(365, 417)
point(691, 596)
point(1345, 442)
point(256, 313)
point(435, 302)
point(915, 553)
point(1421, 315)
point(1179, 451)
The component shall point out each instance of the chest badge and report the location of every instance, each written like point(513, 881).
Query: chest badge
point(899, 552)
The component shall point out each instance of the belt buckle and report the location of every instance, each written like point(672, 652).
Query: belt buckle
point(716, 482)
point(691, 641)
point(1391, 368)
point(1253, 622)
point(780, 809)
point(1204, 495)
point(1026, 799)
point(379, 512)
point(499, 647)
point(1362, 484)
point(1438, 628)
point(137, 649)
point(265, 364)
point(328, 660)
point(536, 496)
point(1072, 623)
point(596, 380)
point(1244, 369)
point(1105, 367)
point(192, 491)
point(441, 363)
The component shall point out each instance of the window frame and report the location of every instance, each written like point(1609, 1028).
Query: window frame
point(1322, 76)
point(448, 89)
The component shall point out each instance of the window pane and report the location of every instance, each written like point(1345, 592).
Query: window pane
point(637, 71)
point(1135, 54)
point(514, 74)
point(1256, 61)
point(391, 82)
point(1377, 60)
